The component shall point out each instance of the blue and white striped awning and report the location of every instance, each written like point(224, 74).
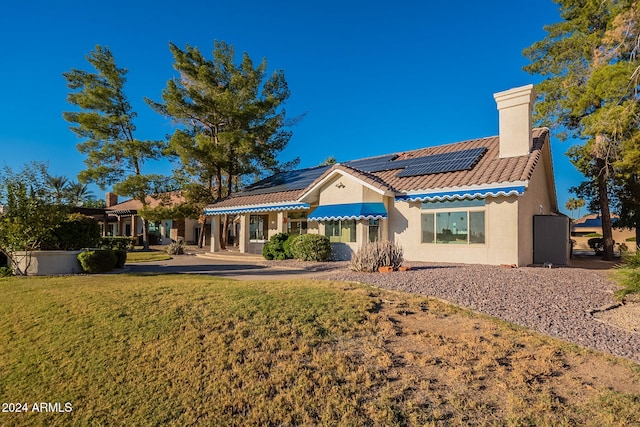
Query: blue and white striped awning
point(480, 193)
point(348, 211)
point(256, 208)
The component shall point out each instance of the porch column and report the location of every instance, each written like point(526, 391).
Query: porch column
point(384, 223)
point(281, 226)
point(215, 233)
point(105, 224)
point(244, 233)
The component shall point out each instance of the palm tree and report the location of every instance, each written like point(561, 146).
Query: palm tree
point(78, 193)
point(571, 205)
point(579, 204)
point(57, 185)
point(574, 204)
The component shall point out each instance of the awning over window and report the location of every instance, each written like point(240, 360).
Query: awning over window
point(463, 194)
point(348, 211)
point(256, 208)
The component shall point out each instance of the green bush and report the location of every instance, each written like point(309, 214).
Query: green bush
point(175, 248)
point(371, 256)
point(597, 244)
point(6, 272)
point(311, 247)
point(117, 242)
point(98, 261)
point(121, 257)
point(630, 239)
point(76, 232)
point(287, 245)
point(274, 248)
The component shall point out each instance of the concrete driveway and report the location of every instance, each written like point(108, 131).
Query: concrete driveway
point(249, 269)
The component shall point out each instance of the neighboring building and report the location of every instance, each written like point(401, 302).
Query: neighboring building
point(125, 221)
point(590, 226)
point(469, 202)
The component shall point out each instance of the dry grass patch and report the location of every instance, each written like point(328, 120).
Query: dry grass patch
point(192, 350)
point(147, 256)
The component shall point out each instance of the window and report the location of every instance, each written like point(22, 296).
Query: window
point(297, 223)
point(427, 228)
point(258, 225)
point(340, 231)
point(374, 230)
point(454, 222)
point(167, 229)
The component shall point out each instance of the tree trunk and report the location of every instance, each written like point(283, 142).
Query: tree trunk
point(145, 234)
point(637, 236)
point(225, 232)
point(605, 212)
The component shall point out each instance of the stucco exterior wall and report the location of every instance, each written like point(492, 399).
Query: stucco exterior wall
point(341, 189)
point(501, 231)
point(536, 200)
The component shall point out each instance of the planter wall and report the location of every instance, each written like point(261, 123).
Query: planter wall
point(48, 263)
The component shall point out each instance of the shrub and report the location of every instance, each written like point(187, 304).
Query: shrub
point(593, 235)
point(6, 272)
point(311, 247)
point(98, 261)
point(287, 245)
point(121, 257)
point(117, 242)
point(371, 256)
point(76, 232)
point(597, 244)
point(630, 239)
point(274, 248)
point(175, 248)
point(631, 260)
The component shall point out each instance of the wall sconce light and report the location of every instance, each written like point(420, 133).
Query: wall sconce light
point(340, 185)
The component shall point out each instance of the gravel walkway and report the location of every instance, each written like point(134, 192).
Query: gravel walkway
point(558, 302)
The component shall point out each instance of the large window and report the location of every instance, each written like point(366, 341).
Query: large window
point(456, 222)
point(258, 226)
point(340, 231)
point(297, 223)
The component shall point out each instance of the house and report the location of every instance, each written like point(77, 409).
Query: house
point(590, 226)
point(486, 201)
point(124, 220)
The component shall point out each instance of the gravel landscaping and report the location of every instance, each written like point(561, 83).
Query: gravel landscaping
point(560, 302)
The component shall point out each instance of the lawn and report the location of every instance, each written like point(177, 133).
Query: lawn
point(197, 350)
point(147, 256)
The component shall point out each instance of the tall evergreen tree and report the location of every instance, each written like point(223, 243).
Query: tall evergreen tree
point(588, 90)
point(105, 123)
point(231, 117)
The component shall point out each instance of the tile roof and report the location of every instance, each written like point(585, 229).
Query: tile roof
point(490, 169)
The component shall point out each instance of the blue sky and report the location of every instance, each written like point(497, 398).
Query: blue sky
point(370, 77)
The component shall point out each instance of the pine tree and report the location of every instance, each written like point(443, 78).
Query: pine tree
point(232, 119)
point(105, 123)
point(588, 90)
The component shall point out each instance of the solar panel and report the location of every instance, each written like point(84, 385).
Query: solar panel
point(285, 181)
point(425, 165)
point(445, 162)
point(374, 164)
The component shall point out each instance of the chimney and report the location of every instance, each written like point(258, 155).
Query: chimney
point(514, 108)
point(112, 199)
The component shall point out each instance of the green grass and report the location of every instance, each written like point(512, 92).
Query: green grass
point(628, 275)
point(195, 350)
point(148, 256)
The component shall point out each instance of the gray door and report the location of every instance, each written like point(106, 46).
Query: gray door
point(551, 239)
